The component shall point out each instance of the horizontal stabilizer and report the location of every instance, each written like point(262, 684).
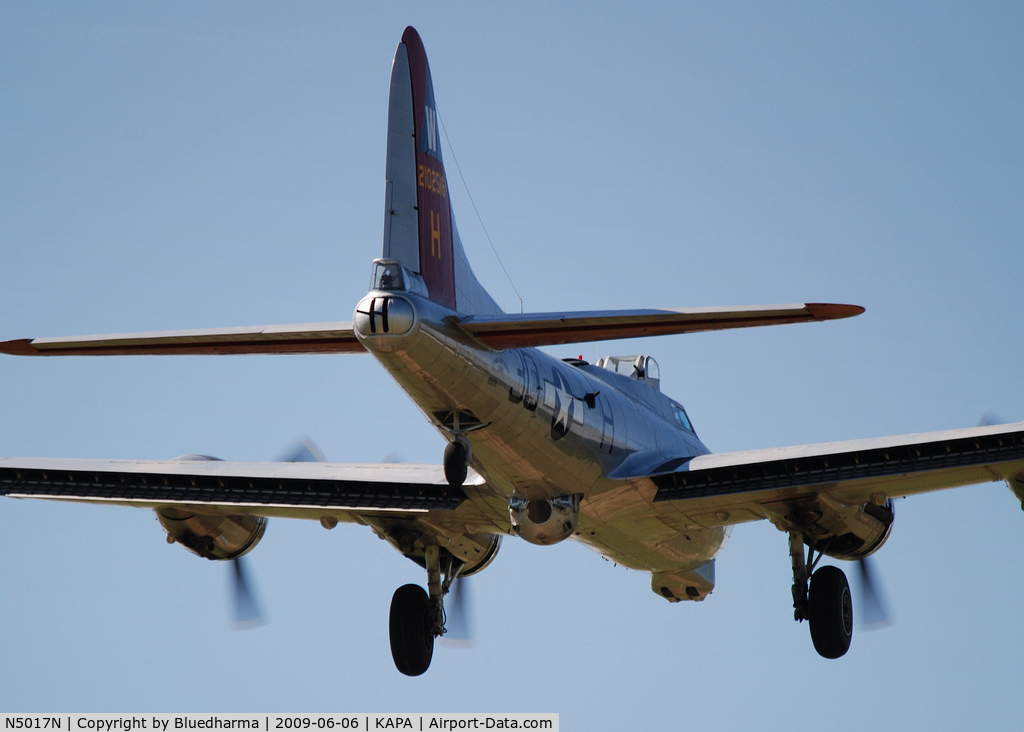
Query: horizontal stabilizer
point(266, 339)
point(550, 329)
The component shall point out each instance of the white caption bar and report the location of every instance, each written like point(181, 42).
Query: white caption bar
point(340, 722)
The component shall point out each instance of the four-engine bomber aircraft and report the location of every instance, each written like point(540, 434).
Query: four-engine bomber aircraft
point(539, 448)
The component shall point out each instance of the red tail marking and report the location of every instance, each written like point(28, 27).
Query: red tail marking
point(437, 261)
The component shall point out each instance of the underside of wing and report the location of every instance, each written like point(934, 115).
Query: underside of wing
point(294, 490)
point(734, 487)
point(265, 339)
point(548, 329)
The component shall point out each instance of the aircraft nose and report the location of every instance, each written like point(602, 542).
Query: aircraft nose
point(383, 315)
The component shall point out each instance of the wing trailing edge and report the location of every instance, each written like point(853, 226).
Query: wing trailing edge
point(854, 470)
point(266, 339)
point(549, 329)
point(259, 488)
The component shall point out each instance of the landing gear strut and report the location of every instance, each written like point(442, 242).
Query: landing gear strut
point(417, 617)
point(822, 598)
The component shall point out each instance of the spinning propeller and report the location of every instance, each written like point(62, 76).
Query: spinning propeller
point(458, 621)
point(874, 611)
point(247, 611)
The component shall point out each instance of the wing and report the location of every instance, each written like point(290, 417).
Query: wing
point(344, 492)
point(549, 329)
point(305, 338)
point(742, 486)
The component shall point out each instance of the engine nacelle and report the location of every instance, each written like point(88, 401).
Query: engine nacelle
point(847, 532)
point(544, 520)
point(474, 552)
point(213, 536)
point(477, 551)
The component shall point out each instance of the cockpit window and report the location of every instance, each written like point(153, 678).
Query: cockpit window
point(681, 418)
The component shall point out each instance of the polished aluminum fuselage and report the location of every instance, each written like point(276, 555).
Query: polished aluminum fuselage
point(539, 427)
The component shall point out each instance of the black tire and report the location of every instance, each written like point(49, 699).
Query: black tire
point(830, 612)
point(412, 638)
point(455, 468)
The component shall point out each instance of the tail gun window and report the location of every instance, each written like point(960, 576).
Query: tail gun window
point(387, 275)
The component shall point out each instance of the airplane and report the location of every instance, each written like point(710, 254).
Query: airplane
point(539, 448)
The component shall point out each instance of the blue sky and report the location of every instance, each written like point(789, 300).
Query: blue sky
point(180, 165)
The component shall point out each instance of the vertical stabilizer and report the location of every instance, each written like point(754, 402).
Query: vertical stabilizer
point(419, 228)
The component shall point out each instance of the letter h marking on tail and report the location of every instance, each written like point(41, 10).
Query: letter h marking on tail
point(435, 235)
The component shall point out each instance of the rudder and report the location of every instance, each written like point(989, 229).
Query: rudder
point(419, 228)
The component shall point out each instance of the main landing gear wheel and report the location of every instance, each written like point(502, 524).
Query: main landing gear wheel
point(830, 612)
point(826, 604)
point(417, 616)
point(411, 630)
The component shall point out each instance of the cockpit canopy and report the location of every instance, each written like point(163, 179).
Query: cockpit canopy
point(641, 368)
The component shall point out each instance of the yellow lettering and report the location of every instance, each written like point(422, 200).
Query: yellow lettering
point(432, 181)
point(435, 235)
